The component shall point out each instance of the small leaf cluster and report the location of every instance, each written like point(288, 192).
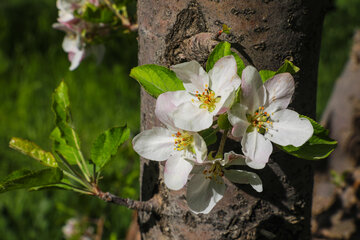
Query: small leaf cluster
point(65, 166)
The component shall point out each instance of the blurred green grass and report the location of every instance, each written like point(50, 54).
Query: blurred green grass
point(32, 64)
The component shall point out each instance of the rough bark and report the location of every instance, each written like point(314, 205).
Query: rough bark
point(336, 210)
point(265, 33)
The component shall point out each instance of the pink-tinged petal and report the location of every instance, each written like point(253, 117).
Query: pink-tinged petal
point(232, 158)
point(167, 103)
point(202, 194)
point(192, 74)
point(155, 144)
point(257, 149)
point(75, 59)
point(192, 118)
point(237, 118)
point(253, 92)
point(280, 89)
point(176, 172)
point(289, 129)
point(200, 148)
point(224, 75)
point(244, 177)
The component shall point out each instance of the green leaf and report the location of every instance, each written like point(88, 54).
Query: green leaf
point(319, 146)
point(266, 74)
point(222, 50)
point(28, 179)
point(156, 79)
point(107, 145)
point(223, 122)
point(288, 67)
point(32, 150)
point(65, 139)
point(209, 136)
point(70, 153)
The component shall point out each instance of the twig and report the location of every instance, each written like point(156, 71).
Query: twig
point(152, 205)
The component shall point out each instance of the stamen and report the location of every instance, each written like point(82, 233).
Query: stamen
point(207, 99)
point(183, 141)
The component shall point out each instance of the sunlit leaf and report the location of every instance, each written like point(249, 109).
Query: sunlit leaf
point(107, 145)
point(32, 150)
point(156, 79)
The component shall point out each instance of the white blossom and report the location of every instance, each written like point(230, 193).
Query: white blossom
point(179, 148)
point(261, 117)
point(206, 94)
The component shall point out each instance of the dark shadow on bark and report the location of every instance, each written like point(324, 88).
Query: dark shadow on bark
point(277, 228)
point(150, 185)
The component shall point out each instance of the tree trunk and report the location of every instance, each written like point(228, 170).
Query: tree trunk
point(265, 33)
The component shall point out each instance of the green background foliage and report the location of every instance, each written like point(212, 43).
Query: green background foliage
point(32, 64)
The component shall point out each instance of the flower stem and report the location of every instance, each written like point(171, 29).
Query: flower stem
point(123, 18)
point(222, 144)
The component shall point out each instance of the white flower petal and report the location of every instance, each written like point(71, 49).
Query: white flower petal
point(237, 118)
point(289, 129)
point(75, 59)
point(202, 194)
point(257, 149)
point(192, 118)
point(167, 103)
point(225, 102)
point(244, 177)
point(200, 148)
point(192, 74)
point(155, 144)
point(176, 172)
point(253, 92)
point(280, 89)
point(224, 75)
point(231, 158)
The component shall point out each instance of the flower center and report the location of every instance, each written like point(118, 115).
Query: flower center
point(260, 120)
point(183, 141)
point(215, 172)
point(207, 99)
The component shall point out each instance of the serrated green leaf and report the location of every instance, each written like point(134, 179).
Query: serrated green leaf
point(288, 67)
point(32, 150)
point(319, 146)
point(209, 136)
point(28, 179)
point(221, 50)
point(65, 139)
point(266, 74)
point(107, 145)
point(156, 79)
point(223, 122)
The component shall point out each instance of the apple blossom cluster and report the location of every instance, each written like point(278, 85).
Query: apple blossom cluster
point(75, 43)
point(258, 118)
